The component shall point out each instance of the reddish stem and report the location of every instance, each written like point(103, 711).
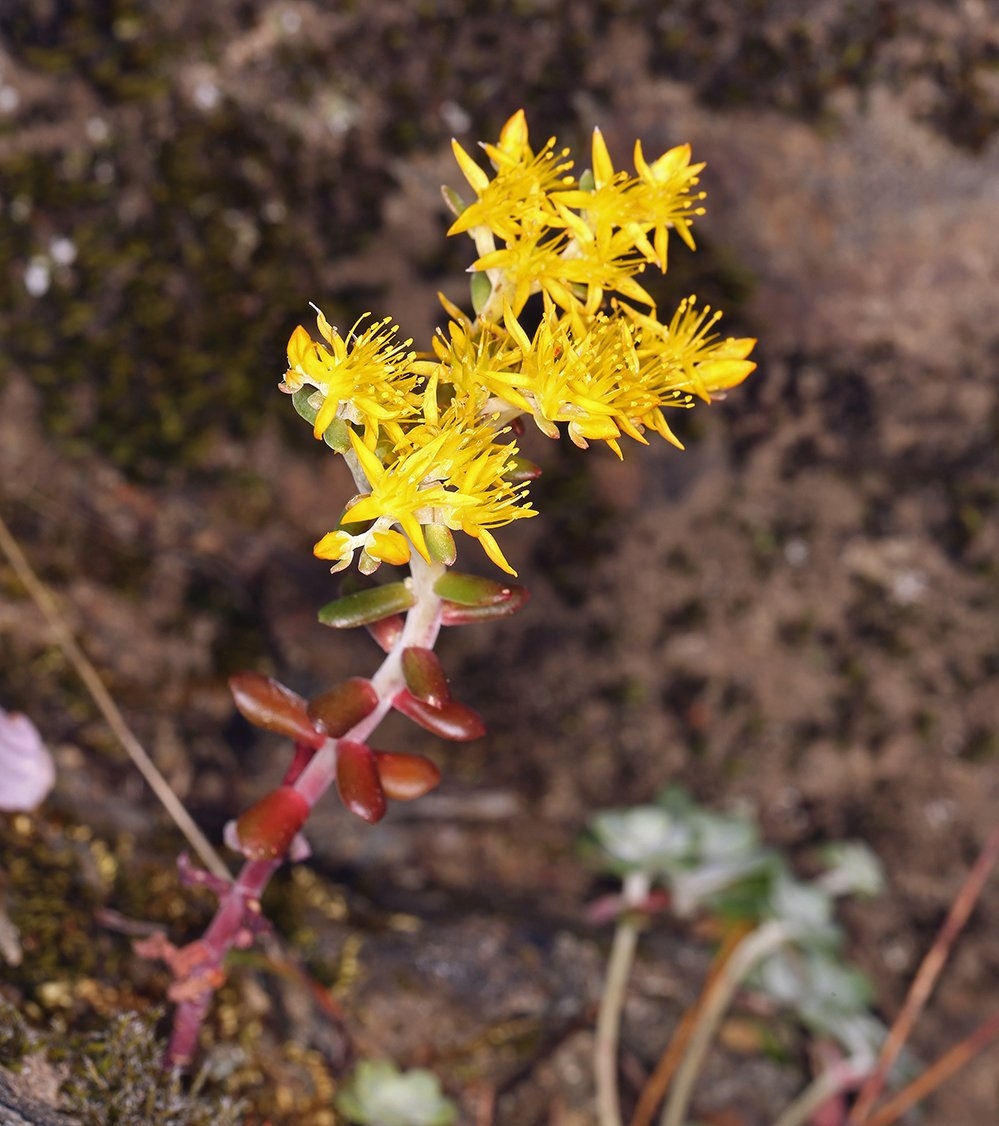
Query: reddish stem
point(238, 914)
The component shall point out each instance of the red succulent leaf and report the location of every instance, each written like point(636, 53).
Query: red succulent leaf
point(406, 777)
point(358, 780)
point(344, 705)
point(268, 704)
point(424, 676)
point(387, 631)
point(304, 754)
point(453, 721)
point(265, 831)
point(458, 614)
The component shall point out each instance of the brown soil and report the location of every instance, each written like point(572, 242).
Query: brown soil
point(800, 612)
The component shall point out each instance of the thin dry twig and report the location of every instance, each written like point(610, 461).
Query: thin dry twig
point(636, 889)
point(46, 603)
point(749, 952)
point(925, 980)
point(937, 1073)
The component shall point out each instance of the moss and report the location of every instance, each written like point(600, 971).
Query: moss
point(114, 1076)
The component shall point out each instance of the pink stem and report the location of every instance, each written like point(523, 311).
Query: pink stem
point(238, 912)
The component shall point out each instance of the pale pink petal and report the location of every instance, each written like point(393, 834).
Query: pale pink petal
point(27, 771)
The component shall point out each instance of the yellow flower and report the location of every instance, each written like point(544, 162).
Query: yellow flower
point(517, 197)
point(365, 378)
point(664, 200)
point(450, 473)
point(686, 355)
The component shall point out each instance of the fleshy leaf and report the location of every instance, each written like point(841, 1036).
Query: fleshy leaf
point(406, 777)
point(481, 288)
point(358, 780)
point(266, 830)
point(520, 469)
point(424, 676)
point(336, 435)
point(366, 606)
point(455, 614)
point(472, 590)
point(344, 705)
point(440, 544)
point(387, 631)
point(268, 704)
point(453, 721)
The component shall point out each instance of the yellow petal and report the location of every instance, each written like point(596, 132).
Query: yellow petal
point(327, 412)
point(513, 137)
point(390, 547)
point(298, 346)
point(373, 468)
point(718, 375)
point(326, 330)
point(603, 169)
point(332, 546)
point(476, 177)
point(411, 526)
point(491, 548)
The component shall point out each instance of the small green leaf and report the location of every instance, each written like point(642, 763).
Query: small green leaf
point(472, 590)
point(440, 544)
point(481, 288)
point(454, 203)
point(307, 400)
point(366, 606)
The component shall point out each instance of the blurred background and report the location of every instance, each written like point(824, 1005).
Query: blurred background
point(799, 613)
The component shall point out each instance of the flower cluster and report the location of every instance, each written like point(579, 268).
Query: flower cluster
point(428, 437)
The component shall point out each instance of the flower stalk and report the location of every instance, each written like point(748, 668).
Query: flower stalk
point(431, 440)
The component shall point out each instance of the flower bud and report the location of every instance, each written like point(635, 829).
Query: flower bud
point(268, 704)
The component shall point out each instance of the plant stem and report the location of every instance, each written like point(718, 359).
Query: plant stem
point(239, 904)
point(940, 1071)
point(748, 954)
point(840, 1077)
point(925, 979)
point(658, 1082)
point(622, 956)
